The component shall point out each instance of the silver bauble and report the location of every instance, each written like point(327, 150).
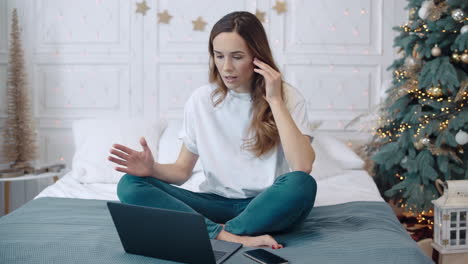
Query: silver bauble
point(436, 51)
point(423, 12)
point(461, 137)
point(464, 29)
point(411, 62)
point(425, 141)
point(458, 15)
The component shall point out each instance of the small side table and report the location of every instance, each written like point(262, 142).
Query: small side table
point(26, 177)
point(452, 258)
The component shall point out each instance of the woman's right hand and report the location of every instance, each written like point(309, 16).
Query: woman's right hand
point(137, 163)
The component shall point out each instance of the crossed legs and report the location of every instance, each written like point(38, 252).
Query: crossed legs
point(283, 205)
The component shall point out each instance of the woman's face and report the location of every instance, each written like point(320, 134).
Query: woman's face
point(234, 61)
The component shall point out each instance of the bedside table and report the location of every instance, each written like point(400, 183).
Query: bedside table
point(453, 258)
point(27, 177)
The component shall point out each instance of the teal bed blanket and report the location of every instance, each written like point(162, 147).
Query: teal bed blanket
point(63, 230)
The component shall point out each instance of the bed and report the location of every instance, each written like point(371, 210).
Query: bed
point(68, 222)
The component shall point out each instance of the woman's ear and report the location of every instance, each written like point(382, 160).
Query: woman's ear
point(255, 66)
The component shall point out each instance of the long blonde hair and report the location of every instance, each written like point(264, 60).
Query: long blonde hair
point(247, 25)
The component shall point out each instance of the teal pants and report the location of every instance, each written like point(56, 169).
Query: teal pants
point(280, 207)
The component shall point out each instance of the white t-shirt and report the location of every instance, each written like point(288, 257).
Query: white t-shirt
point(216, 133)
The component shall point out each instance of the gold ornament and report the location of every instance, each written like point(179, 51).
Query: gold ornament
point(199, 24)
point(410, 86)
point(444, 151)
point(400, 74)
point(415, 52)
point(412, 13)
point(421, 35)
point(435, 51)
point(464, 57)
point(435, 91)
point(260, 15)
point(462, 91)
point(142, 8)
point(456, 57)
point(418, 145)
point(280, 7)
point(436, 12)
point(164, 17)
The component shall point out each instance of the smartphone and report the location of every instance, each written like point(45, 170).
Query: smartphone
point(264, 257)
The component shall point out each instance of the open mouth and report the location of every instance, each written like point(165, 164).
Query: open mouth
point(230, 79)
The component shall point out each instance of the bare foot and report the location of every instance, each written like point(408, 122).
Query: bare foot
point(249, 241)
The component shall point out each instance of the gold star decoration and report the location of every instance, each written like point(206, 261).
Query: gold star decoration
point(142, 8)
point(280, 7)
point(199, 24)
point(260, 15)
point(164, 17)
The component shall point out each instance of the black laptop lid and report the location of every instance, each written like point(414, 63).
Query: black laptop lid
point(161, 233)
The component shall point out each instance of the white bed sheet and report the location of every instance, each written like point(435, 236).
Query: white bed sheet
point(353, 185)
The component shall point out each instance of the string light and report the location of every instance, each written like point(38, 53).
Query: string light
point(422, 29)
point(446, 112)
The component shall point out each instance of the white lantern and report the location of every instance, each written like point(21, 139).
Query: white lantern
point(450, 215)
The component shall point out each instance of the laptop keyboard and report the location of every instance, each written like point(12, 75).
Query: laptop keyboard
point(218, 254)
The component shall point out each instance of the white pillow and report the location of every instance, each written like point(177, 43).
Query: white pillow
point(339, 153)
point(94, 139)
point(332, 157)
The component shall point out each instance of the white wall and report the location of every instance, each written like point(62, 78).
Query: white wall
point(98, 58)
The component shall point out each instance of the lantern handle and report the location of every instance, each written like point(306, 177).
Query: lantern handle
point(439, 184)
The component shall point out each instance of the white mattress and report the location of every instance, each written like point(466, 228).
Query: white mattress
point(352, 185)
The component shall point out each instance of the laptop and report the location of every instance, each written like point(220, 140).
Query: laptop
point(168, 234)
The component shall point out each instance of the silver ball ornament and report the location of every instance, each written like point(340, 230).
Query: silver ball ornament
point(458, 15)
point(464, 29)
point(425, 141)
point(436, 51)
point(423, 12)
point(461, 137)
point(411, 62)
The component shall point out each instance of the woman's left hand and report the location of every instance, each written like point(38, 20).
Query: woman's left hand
point(272, 81)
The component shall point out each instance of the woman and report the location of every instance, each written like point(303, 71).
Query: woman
point(249, 129)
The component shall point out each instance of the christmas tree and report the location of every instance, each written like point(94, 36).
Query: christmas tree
point(421, 135)
point(19, 147)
